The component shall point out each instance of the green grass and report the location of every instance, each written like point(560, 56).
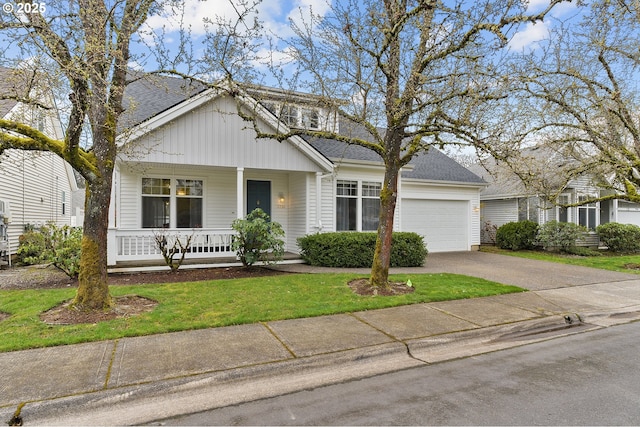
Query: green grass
point(186, 306)
point(605, 261)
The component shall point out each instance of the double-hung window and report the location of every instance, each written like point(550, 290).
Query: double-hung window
point(370, 205)
point(170, 203)
point(346, 205)
point(587, 213)
point(357, 205)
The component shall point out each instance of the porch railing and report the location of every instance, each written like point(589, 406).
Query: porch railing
point(141, 244)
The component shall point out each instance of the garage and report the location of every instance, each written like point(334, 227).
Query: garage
point(443, 223)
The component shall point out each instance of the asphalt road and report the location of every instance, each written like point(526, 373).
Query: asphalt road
point(586, 379)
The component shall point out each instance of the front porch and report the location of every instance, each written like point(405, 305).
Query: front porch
point(138, 250)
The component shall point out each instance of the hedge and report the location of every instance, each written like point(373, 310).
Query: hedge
point(517, 235)
point(354, 249)
point(624, 238)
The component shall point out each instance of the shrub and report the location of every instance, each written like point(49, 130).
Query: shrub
point(352, 249)
point(517, 235)
point(258, 238)
point(60, 246)
point(555, 235)
point(618, 237)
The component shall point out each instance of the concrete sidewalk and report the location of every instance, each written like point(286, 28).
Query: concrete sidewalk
point(141, 379)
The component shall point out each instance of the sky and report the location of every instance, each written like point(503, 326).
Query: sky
point(276, 14)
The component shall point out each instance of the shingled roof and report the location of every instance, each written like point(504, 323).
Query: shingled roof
point(149, 96)
point(432, 165)
point(9, 87)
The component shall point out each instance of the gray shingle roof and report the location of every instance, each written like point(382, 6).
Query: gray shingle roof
point(151, 95)
point(431, 165)
point(9, 86)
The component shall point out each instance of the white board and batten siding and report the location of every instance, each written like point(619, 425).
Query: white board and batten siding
point(214, 135)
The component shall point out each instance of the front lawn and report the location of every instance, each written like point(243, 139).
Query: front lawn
point(215, 303)
point(605, 260)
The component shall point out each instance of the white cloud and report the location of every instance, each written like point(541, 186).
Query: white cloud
point(531, 34)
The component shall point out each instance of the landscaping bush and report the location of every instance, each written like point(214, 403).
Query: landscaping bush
point(258, 238)
point(350, 249)
point(562, 236)
point(624, 238)
point(517, 235)
point(60, 246)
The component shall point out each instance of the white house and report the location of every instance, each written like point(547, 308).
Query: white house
point(191, 165)
point(506, 199)
point(36, 186)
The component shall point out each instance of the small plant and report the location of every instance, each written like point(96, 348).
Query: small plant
point(517, 235)
point(170, 246)
point(623, 238)
point(258, 238)
point(490, 231)
point(60, 246)
point(560, 236)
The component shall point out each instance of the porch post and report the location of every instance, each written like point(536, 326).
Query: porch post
point(240, 193)
point(318, 201)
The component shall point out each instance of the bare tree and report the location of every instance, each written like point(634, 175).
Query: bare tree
point(579, 93)
point(412, 73)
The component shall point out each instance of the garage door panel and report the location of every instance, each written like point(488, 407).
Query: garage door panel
point(444, 223)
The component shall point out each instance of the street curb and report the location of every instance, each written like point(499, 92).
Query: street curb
point(143, 403)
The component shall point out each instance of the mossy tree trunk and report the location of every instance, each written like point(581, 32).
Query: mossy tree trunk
point(382, 254)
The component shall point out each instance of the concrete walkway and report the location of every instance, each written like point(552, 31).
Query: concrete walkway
point(141, 379)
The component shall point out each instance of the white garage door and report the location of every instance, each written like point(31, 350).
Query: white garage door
point(444, 223)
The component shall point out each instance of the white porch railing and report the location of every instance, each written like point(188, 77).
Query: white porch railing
point(141, 245)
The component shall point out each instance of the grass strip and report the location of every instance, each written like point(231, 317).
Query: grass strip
point(216, 303)
point(604, 260)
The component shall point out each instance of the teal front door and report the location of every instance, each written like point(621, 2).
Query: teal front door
point(259, 196)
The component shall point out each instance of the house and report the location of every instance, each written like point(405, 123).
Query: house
point(507, 199)
point(35, 187)
point(190, 165)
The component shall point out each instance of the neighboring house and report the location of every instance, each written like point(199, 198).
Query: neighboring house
point(37, 186)
point(507, 199)
point(191, 165)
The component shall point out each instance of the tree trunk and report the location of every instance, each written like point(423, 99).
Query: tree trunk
point(382, 254)
point(93, 289)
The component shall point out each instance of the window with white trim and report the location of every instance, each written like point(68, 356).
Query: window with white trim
point(587, 213)
point(357, 205)
point(370, 205)
point(164, 198)
point(295, 116)
point(346, 205)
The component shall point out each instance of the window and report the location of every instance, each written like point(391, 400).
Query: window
point(357, 205)
point(310, 119)
point(160, 194)
point(370, 205)
point(587, 214)
point(289, 115)
point(563, 212)
point(295, 116)
point(346, 205)
point(188, 203)
point(63, 199)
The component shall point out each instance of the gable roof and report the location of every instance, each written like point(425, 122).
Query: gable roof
point(150, 96)
point(432, 165)
point(9, 86)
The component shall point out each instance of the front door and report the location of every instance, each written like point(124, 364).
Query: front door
point(259, 196)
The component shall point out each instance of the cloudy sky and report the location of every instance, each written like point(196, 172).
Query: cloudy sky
point(276, 14)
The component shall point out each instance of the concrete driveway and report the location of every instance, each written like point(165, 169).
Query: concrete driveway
point(530, 274)
point(527, 273)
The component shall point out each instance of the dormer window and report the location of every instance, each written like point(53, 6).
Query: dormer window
point(295, 116)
